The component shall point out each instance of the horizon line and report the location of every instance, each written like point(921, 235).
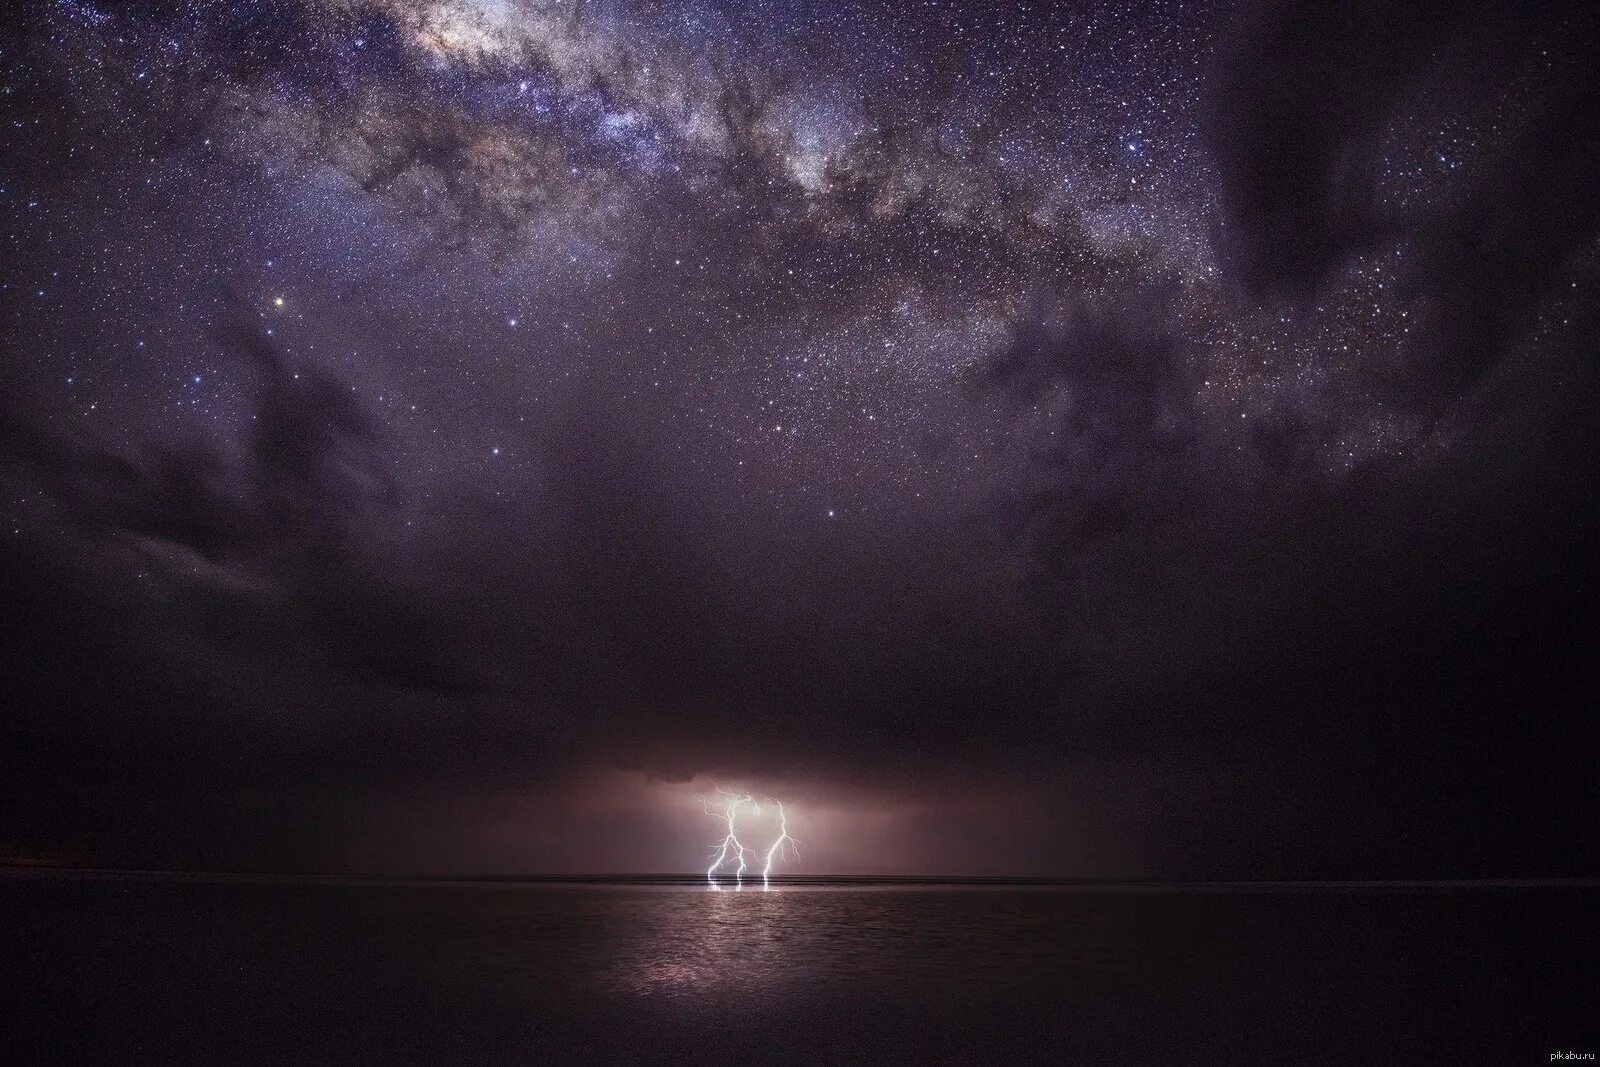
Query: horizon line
point(790, 879)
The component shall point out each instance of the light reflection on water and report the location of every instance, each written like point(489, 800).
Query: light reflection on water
point(276, 972)
point(753, 941)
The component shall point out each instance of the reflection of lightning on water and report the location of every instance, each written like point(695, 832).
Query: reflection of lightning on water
point(730, 849)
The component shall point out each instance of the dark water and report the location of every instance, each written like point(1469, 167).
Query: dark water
point(143, 970)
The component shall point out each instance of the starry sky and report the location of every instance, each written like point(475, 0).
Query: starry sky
point(1148, 439)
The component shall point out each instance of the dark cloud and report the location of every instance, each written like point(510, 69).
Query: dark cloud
point(1121, 445)
point(261, 549)
point(1316, 109)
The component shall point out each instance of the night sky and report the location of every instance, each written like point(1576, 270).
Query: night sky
point(1097, 439)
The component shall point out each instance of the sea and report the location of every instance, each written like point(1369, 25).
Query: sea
point(129, 967)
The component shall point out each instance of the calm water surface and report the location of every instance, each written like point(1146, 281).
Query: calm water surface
point(146, 970)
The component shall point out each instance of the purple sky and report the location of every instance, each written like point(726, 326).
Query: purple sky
point(1147, 439)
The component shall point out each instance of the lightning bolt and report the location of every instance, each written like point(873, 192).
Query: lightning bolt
point(731, 849)
point(728, 811)
point(777, 846)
